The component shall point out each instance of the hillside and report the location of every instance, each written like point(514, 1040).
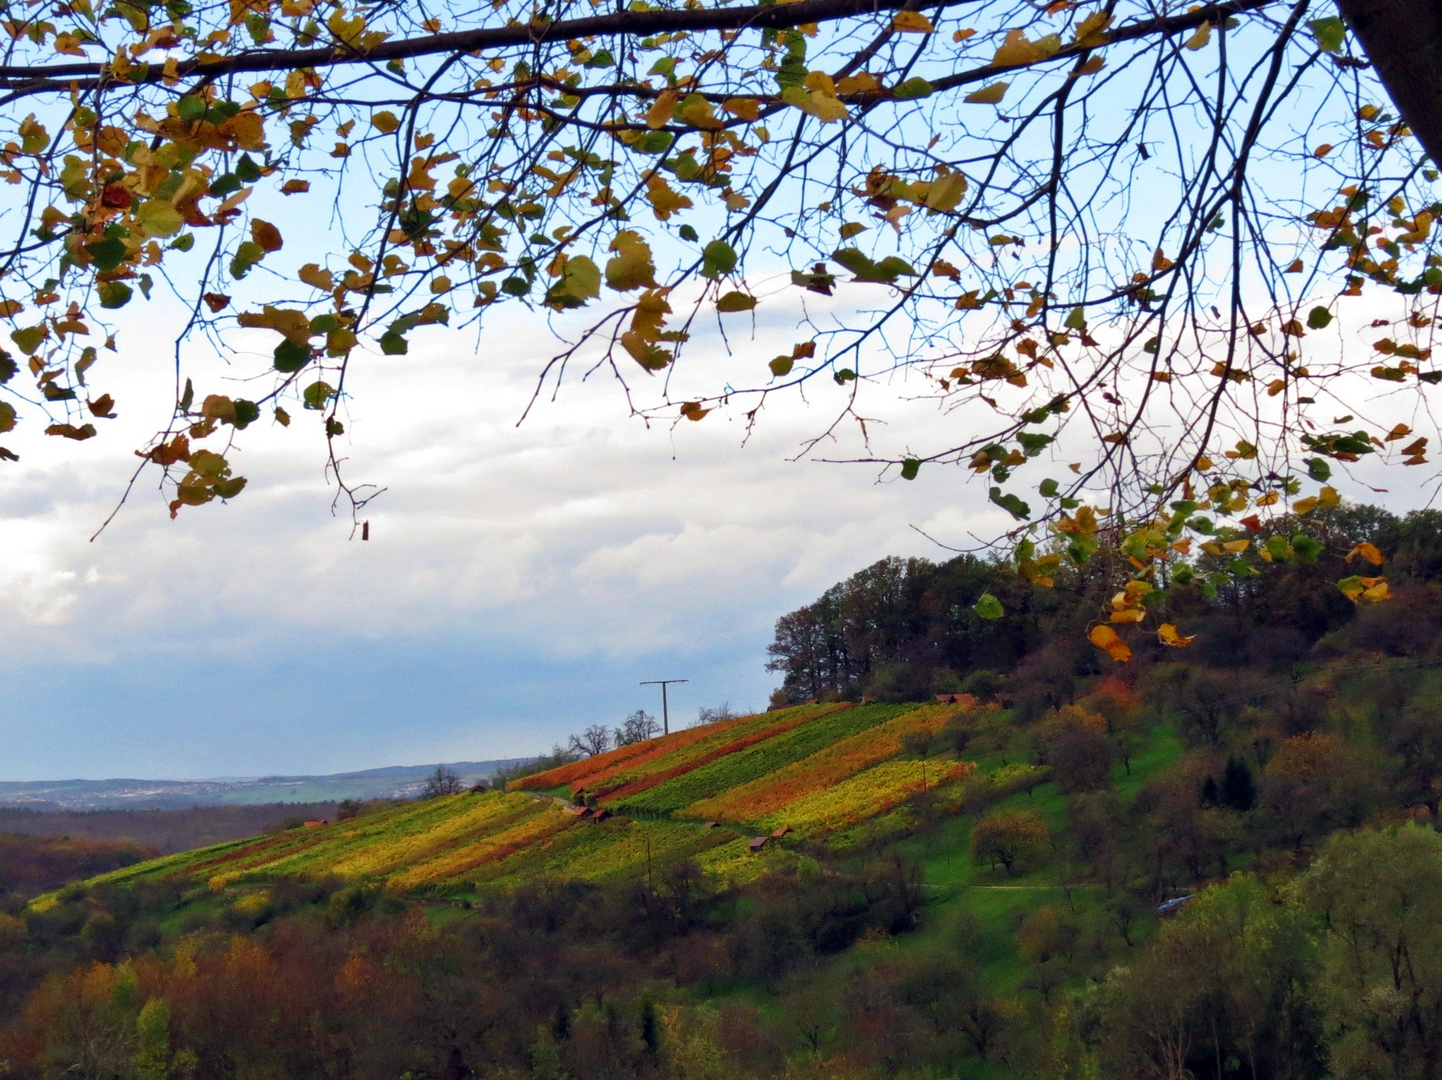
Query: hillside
point(812, 772)
point(1201, 864)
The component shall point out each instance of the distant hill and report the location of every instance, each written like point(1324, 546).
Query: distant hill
point(392, 782)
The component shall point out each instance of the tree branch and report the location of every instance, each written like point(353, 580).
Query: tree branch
point(28, 78)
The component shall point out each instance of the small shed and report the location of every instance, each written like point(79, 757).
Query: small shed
point(600, 814)
point(316, 824)
point(758, 842)
point(780, 832)
point(709, 825)
point(579, 811)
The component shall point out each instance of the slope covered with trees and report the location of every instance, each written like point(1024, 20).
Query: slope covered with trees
point(1211, 861)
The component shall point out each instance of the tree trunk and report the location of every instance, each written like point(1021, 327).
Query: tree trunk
point(1403, 39)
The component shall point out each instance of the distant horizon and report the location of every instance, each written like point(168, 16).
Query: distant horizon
point(259, 777)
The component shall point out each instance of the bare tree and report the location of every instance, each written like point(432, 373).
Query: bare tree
point(443, 781)
point(708, 714)
point(596, 739)
point(638, 727)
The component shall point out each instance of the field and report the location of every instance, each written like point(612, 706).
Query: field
point(703, 793)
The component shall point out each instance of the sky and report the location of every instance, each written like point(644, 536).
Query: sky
point(519, 581)
point(518, 584)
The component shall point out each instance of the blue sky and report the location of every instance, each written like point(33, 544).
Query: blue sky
point(518, 584)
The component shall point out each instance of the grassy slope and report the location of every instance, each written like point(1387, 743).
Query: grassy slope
point(463, 842)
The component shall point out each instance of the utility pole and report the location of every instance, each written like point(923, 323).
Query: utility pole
point(665, 710)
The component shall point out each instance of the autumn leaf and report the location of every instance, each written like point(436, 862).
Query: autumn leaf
point(1167, 635)
point(1367, 551)
point(988, 95)
point(1107, 639)
point(913, 22)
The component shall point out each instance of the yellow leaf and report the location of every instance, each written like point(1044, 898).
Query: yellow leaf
point(1267, 499)
point(1328, 498)
point(1092, 65)
point(945, 192)
point(692, 410)
point(1128, 615)
point(1377, 592)
point(1236, 547)
point(1167, 635)
point(825, 107)
point(988, 95)
point(316, 278)
point(1091, 31)
point(1303, 507)
point(664, 199)
point(630, 267)
point(743, 108)
point(697, 112)
point(913, 22)
point(1200, 38)
point(662, 109)
point(1017, 50)
point(385, 122)
point(10, 308)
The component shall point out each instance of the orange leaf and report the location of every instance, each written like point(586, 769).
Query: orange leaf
point(1107, 639)
point(1368, 551)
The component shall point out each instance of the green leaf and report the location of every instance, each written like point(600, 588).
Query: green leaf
point(291, 357)
point(1077, 319)
point(909, 468)
point(781, 366)
point(688, 232)
point(317, 394)
point(1319, 470)
point(1318, 318)
point(190, 108)
point(246, 412)
point(1330, 33)
point(247, 169)
point(1048, 489)
point(187, 396)
point(113, 294)
point(7, 417)
point(246, 255)
point(108, 254)
point(159, 218)
point(718, 258)
point(988, 607)
point(912, 88)
point(735, 301)
point(28, 339)
point(1011, 504)
point(392, 344)
point(1305, 548)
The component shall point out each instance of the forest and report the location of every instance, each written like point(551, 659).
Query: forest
point(1214, 861)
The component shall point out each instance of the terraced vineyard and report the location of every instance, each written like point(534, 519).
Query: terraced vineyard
point(705, 793)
